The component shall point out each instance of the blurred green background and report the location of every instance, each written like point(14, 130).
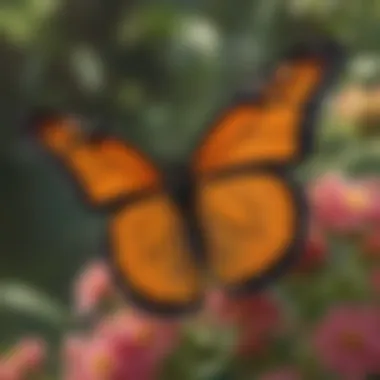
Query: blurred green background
point(153, 72)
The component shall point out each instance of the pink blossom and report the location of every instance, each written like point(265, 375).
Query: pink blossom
point(92, 287)
point(27, 356)
point(103, 358)
point(347, 341)
point(8, 372)
point(161, 336)
point(90, 358)
point(73, 351)
point(125, 346)
point(282, 374)
point(100, 360)
point(341, 205)
point(31, 353)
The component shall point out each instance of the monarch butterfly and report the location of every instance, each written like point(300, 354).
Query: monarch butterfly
point(235, 203)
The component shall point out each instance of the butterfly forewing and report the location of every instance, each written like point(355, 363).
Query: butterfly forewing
point(274, 127)
point(104, 170)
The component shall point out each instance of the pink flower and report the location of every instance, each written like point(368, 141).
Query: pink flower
point(73, 350)
point(347, 341)
point(314, 255)
point(31, 352)
point(27, 356)
point(93, 286)
point(100, 360)
point(160, 335)
point(341, 205)
point(282, 374)
point(8, 372)
point(125, 346)
point(89, 358)
point(103, 357)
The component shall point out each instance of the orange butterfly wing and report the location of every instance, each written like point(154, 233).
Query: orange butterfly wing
point(251, 223)
point(252, 214)
point(105, 170)
point(147, 246)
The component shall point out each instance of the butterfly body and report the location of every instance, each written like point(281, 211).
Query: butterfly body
point(232, 214)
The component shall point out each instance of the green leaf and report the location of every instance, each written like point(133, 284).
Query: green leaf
point(22, 298)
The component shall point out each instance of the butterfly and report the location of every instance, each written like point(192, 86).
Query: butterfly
point(233, 214)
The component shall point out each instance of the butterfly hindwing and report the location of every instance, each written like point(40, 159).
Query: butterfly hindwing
point(253, 222)
point(146, 245)
point(252, 212)
point(149, 250)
